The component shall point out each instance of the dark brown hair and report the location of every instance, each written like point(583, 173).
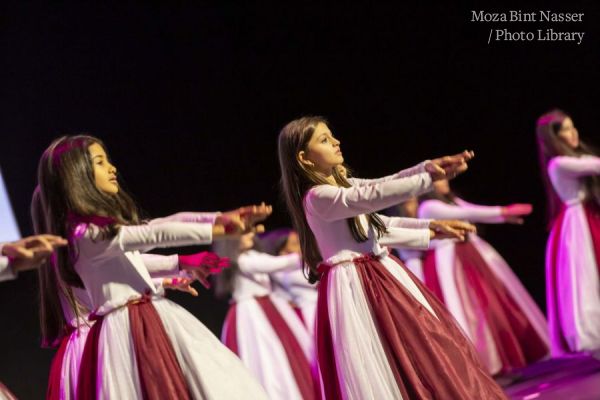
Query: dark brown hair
point(551, 145)
point(67, 191)
point(296, 180)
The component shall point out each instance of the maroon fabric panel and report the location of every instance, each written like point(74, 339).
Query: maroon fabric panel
point(551, 285)
point(430, 274)
point(299, 364)
point(325, 348)
point(54, 378)
point(160, 374)
point(230, 327)
point(516, 340)
point(592, 213)
point(88, 370)
point(429, 355)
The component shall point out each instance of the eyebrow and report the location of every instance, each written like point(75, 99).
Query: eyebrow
point(98, 155)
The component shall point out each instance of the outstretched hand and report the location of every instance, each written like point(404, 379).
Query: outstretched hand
point(448, 167)
point(244, 219)
point(451, 229)
point(202, 265)
point(182, 284)
point(30, 252)
point(512, 213)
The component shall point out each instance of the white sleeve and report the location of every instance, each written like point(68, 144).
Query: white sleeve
point(187, 216)
point(146, 237)
point(404, 222)
point(160, 266)
point(405, 173)
point(575, 166)
point(406, 238)
point(254, 262)
point(437, 209)
point(291, 278)
point(6, 272)
point(333, 203)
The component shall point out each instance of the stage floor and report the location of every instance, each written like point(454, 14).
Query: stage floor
point(573, 377)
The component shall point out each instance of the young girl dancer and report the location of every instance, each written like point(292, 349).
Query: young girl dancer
point(292, 285)
point(571, 175)
point(479, 288)
point(264, 330)
point(141, 345)
point(380, 333)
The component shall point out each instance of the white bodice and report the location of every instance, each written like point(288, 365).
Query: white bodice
point(252, 278)
point(327, 208)
point(566, 175)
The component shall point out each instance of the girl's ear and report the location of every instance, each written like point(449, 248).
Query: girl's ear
point(304, 161)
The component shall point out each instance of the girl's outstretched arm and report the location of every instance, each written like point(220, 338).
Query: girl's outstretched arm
point(334, 203)
point(144, 237)
point(405, 173)
point(436, 209)
point(574, 166)
point(405, 222)
point(254, 262)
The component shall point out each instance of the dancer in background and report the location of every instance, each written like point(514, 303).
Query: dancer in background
point(141, 345)
point(263, 329)
point(480, 289)
point(413, 259)
point(571, 176)
point(380, 333)
point(22, 255)
point(291, 285)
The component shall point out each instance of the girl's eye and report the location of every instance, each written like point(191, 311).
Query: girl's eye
point(324, 140)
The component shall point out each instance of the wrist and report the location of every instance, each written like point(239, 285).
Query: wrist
point(218, 230)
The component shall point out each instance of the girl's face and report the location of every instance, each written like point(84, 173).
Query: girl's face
point(105, 174)
point(568, 133)
point(322, 152)
point(292, 245)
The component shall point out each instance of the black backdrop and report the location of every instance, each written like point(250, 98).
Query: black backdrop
point(189, 100)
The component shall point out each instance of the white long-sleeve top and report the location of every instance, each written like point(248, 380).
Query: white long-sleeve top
point(293, 285)
point(158, 266)
point(252, 278)
point(566, 175)
point(6, 272)
point(188, 216)
point(113, 271)
point(437, 209)
point(327, 207)
point(406, 233)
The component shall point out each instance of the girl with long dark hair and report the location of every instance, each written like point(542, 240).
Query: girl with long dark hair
point(380, 333)
point(141, 344)
point(571, 175)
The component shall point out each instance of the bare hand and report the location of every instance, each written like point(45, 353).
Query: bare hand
point(451, 229)
point(180, 283)
point(30, 252)
point(449, 167)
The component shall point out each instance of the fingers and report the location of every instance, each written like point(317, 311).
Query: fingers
point(17, 250)
point(55, 241)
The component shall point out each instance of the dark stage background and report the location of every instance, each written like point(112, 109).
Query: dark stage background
point(190, 98)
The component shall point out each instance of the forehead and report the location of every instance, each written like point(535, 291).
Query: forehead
point(96, 150)
point(567, 122)
point(321, 129)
